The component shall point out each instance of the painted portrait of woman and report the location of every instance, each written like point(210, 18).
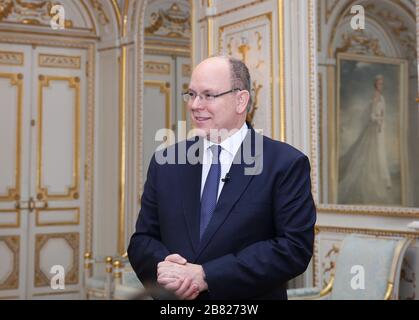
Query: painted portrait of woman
point(366, 174)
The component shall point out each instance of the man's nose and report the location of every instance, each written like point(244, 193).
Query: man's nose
point(196, 103)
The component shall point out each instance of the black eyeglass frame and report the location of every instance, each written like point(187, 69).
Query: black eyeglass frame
point(187, 98)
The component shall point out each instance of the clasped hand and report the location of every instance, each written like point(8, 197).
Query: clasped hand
point(177, 275)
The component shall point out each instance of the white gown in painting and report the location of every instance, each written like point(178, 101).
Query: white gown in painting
point(364, 176)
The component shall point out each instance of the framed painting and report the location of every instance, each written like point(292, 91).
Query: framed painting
point(370, 130)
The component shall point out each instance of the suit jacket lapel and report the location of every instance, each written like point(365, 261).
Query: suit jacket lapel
point(190, 185)
point(230, 193)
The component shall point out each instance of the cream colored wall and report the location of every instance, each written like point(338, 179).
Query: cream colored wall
point(288, 110)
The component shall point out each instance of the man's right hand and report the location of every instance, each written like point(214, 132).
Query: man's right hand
point(183, 287)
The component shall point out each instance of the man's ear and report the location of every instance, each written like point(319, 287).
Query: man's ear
point(243, 99)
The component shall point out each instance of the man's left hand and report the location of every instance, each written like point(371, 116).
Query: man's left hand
point(185, 278)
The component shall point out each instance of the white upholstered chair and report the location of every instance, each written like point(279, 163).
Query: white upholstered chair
point(379, 259)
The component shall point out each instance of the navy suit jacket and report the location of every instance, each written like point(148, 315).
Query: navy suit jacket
point(261, 233)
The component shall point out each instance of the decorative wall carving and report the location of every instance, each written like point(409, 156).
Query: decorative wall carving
point(11, 281)
point(250, 40)
point(103, 16)
point(11, 58)
point(172, 22)
point(59, 61)
point(72, 274)
point(360, 43)
point(32, 13)
point(186, 70)
point(156, 67)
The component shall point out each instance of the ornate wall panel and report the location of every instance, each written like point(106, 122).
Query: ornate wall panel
point(56, 249)
point(11, 58)
point(9, 267)
point(251, 41)
point(63, 181)
point(11, 91)
point(37, 14)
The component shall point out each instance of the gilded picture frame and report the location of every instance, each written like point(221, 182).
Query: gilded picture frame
point(369, 157)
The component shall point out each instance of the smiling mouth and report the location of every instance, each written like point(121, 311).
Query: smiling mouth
point(201, 119)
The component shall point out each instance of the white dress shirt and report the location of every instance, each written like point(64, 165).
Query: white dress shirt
point(228, 152)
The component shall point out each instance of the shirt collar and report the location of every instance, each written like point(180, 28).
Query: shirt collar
point(232, 143)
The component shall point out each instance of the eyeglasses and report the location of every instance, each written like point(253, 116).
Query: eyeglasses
point(190, 96)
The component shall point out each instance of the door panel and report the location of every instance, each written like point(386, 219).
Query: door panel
point(42, 151)
point(56, 227)
point(15, 66)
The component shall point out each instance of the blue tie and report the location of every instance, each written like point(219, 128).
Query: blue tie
point(210, 193)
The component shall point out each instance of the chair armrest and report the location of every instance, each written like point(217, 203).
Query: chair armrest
point(303, 292)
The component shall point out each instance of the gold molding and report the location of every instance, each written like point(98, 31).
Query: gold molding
point(73, 191)
point(16, 225)
point(281, 35)
point(368, 210)
point(51, 34)
point(312, 94)
point(92, 20)
point(210, 35)
point(125, 19)
point(16, 80)
point(54, 293)
point(167, 51)
point(319, 24)
point(320, 132)
point(267, 15)
point(12, 281)
point(65, 223)
point(193, 33)
point(9, 58)
point(117, 12)
point(89, 147)
point(165, 89)
point(156, 67)
point(231, 10)
point(72, 275)
point(59, 61)
point(122, 149)
point(140, 107)
point(159, 42)
point(367, 231)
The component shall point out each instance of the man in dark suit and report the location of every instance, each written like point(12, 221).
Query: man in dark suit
point(228, 215)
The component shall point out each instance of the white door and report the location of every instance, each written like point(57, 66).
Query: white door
point(42, 130)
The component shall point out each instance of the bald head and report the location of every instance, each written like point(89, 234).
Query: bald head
point(219, 99)
point(239, 74)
